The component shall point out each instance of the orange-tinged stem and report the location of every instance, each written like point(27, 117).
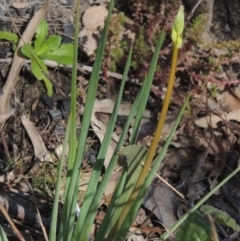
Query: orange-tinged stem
point(152, 149)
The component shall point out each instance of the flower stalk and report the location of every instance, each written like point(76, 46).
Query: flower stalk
point(176, 36)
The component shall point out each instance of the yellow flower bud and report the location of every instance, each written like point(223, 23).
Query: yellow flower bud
point(179, 42)
point(178, 27)
point(174, 35)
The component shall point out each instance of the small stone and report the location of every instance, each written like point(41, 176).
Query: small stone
point(56, 115)
point(65, 107)
point(3, 11)
point(67, 2)
point(98, 1)
point(60, 129)
point(48, 101)
point(68, 29)
point(92, 160)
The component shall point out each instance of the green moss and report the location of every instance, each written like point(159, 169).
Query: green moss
point(134, 64)
point(151, 9)
point(115, 45)
point(231, 46)
point(141, 45)
point(213, 90)
point(196, 29)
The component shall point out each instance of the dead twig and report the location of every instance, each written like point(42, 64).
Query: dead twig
point(14, 228)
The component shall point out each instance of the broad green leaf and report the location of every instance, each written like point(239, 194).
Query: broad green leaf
point(41, 34)
point(220, 217)
point(28, 51)
point(37, 70)
point(41, 75)
point(49, 45)
point(48, 85)
point(195, 228)
point(2, 234)
point(62, 55)
point(9, 36)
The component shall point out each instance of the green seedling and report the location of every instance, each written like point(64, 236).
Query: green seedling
point(12, 37)
point(44, 48)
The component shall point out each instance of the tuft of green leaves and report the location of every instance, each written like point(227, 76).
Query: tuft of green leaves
point(44, 48)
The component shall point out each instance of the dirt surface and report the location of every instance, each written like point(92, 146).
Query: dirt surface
point(200, 155)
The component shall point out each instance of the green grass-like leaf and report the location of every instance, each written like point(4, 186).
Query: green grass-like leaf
point(121, 235)
point(134, 155)
point(2, 234)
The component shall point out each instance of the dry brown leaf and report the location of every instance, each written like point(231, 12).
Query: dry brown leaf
point(94, 17)
point(229, 99)
point(99, 129)
point(106, 106)
point(212, 119)
point(40, 150)
point(202, 143)
point(163, 203)
point(4, 117)
point(93, 21)
point(18, 5)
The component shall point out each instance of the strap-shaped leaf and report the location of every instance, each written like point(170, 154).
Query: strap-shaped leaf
point(134, 155)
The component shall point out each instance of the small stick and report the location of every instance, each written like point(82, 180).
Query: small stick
point(167, 184)
point(12, 225)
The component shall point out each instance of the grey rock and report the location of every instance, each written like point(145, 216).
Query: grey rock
point(55, 115)
point(65, 107)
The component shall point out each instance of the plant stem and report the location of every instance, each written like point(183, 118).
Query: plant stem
point(161, 121)
point(152, 149)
